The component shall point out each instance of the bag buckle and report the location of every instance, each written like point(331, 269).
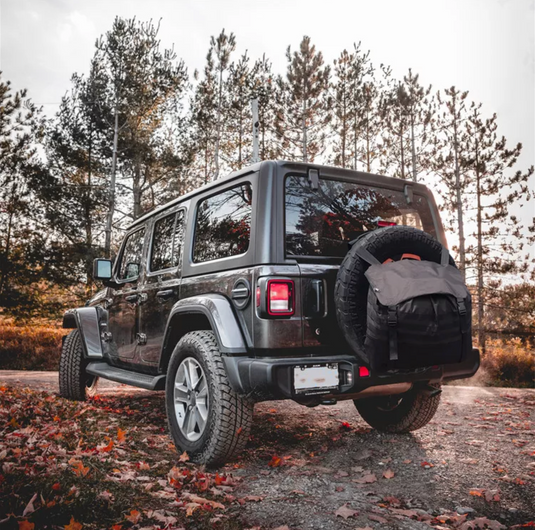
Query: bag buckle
point(461, 306)
point(392, 316)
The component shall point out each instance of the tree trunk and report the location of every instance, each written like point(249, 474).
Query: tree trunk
point(5, 272)
point(460, 222)
point(481, 335)
point(304, 126)
point(136, 188)
point(218, 129)
point(111, 204)
point(88, 221)
point(413, 149)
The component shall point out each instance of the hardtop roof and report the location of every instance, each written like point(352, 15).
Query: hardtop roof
point(332, 171)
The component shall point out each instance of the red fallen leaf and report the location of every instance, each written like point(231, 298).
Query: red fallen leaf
point(26, 525)
point(389, 474)
point(239, 431)
point(183, 457)
point(105, 448)
point(345, 512)
point(275, 461)
point(73, 525)
point(78, 468)
point(116, 527)
point(492, 496)
point(121, 435)
point(477, 492)
point(134, 516)
point(345, 426)
point(427, 465)
point(219, 479)
point(56, 486)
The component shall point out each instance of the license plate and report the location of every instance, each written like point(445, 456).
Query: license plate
point(315, 379)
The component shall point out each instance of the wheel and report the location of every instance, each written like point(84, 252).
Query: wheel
point(399, 413)
point(74, 382)
point(207, 419)
point(351, 290)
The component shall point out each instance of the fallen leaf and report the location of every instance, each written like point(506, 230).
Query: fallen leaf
point(366, 479)
point(183, 457)
point(275, 461)
point(73, 525)
point(134, 516)
point(427, 465)
point(191, 507)
point(29, 507)
point(56, 486)
point(345, 512)
point(121, 435)
point(105, 448)
point(253, 498)
point(378, 518)
point(482, 523)
point(389, 474)
point(345, 426)
point(283, 527)
point(26, 525)
point(116, 527)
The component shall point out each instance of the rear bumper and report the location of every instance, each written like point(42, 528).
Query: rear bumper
point(272, 378)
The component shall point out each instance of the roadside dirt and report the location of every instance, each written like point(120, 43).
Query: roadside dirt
point(324, 468)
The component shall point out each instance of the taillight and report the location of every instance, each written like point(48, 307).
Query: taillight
point(386, 223)
point(280, 297)
point(364, 372)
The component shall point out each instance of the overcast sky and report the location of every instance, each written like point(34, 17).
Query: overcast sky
point(483, 46)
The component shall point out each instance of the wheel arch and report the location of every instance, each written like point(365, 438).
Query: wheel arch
point(88, 321)
point(208, 312)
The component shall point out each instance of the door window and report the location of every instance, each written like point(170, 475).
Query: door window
point(167, 242)
point(130, 265)
point(223, 224)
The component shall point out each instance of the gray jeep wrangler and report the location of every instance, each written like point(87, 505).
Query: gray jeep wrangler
point(235, 294)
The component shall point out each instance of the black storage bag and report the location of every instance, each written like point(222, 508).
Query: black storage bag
point(419, 313)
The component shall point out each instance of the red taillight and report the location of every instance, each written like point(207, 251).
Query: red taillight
point(386, 223)
point(280, 296)
point(363, 371)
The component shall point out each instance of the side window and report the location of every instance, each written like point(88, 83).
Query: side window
point(167, 242)
point(223, 224)
point(131, 258)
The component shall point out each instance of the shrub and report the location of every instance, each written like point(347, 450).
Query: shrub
point(510, 363)
point(29, 347)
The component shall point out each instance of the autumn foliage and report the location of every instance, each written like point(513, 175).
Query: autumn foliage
point(33, 346)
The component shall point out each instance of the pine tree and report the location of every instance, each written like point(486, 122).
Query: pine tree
point(446, 160)
point(499, 235)
point(140, 82)
point(221, 48)
point(306, 103)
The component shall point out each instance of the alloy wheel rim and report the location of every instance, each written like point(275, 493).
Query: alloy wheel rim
point(191, 399)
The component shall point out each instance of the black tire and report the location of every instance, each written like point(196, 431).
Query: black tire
point(400, 413)
point(74, 382)
point(229, 415)
point(351, 291)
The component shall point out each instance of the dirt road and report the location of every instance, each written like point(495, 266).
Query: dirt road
point(474, 465)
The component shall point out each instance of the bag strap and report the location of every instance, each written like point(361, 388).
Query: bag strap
point(392, 332)
point(368, 257)
point(445, 257)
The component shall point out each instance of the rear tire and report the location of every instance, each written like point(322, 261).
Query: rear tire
point(401, 413)
point(74, 382)
point(206, 418)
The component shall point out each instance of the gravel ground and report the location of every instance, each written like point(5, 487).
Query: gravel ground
point(477, 457)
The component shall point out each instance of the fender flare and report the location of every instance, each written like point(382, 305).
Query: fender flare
point(218, 310)
point(88, 321)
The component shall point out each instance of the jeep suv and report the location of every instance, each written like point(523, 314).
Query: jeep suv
point(231, 295)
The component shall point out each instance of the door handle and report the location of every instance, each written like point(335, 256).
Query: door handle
point(165, 295)
point(132, 297)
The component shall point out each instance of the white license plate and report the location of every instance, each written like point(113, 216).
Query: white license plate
point(315, 379)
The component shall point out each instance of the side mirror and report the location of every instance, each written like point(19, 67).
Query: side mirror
point(102, 269)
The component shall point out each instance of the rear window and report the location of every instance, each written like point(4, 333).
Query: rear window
point(321, 222)
point(223, 226)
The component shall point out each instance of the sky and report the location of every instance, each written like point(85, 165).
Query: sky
point(484, 46)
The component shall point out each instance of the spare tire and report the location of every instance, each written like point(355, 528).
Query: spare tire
point(351, 291)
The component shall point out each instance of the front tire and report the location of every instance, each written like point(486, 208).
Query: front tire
point(401, 413)
point(206, 418)
point(74, 382)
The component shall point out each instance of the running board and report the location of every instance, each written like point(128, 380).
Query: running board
point(119, 375)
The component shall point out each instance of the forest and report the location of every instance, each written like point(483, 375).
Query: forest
point(138, 128)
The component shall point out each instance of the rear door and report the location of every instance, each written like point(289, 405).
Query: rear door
point(162, 283)
point(125, 299)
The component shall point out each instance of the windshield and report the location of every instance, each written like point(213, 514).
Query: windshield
point(321, 222)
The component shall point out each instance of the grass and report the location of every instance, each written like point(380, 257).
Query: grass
point(30, 347)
